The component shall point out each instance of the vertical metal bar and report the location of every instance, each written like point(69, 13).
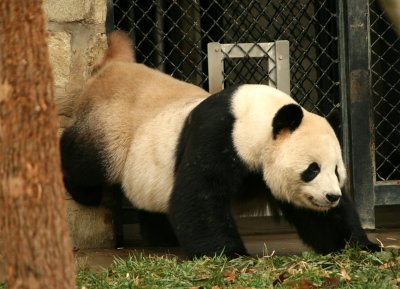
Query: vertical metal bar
point(272, 66)
point(110, 16)
point(215, 67)
point(193, 28)
point(282, 65)
point(343, 88)
point(158, 35)
point(360, 110)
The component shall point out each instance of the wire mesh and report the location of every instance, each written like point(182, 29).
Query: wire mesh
point(249, 69)
point(385, 78)
point(173, 35)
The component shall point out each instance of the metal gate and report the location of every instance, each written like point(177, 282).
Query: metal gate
point(343, 56)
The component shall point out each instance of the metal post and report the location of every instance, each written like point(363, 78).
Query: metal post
point(215, 67)
point(360, 110)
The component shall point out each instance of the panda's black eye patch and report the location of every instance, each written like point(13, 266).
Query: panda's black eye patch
point(311, 172)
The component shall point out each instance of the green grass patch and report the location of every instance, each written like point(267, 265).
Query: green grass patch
point(350, 269)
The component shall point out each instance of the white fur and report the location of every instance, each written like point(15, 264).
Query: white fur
point(148, 174)
point(283, 160)
point(149, 168)
point(119, 98)
point(254, 107)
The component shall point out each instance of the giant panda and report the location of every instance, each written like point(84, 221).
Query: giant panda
point(177, 151)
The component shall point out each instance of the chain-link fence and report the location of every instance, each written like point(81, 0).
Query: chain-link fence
point(173, 36)
point(385, 72)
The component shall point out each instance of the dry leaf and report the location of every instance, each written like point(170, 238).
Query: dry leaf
point(215, 287)
point(390, 264)
point(230, 276)
point(250, 270)
point(136, 280)
point(331, 282)
point(345, 276)
point(282, 277)
point(201, 278)
point(293, 271)
point(303, 284)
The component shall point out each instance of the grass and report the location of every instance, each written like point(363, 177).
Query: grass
point(350, 269)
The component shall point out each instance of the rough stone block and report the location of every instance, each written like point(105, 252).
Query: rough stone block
point(87, 50)
point(90, 227)
point(95, 51)
point(98, 12)
point(60, 57)
point(67, 10)
point(90, 11)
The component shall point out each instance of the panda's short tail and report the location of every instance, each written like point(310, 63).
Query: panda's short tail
point(120, 48)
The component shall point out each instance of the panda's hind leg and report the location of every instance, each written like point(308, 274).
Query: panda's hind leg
point(85, 195)
point(156, 230)
point(83, 172)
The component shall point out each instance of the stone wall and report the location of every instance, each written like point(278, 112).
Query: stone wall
point(76, 42)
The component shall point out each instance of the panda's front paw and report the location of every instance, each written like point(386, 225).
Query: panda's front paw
point(370, 247)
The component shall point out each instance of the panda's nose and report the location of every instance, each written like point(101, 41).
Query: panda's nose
point(332, 197)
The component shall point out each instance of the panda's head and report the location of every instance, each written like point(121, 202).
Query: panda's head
point(303, 165)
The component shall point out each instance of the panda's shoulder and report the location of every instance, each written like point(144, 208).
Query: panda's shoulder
point(258, 98)
point(219, 101)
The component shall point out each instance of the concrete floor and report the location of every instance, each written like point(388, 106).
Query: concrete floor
point(257, 244)
point(280, 244)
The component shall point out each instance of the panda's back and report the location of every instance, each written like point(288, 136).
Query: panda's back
point(118, 100)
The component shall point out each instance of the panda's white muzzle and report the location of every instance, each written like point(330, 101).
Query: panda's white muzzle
point(324, 202)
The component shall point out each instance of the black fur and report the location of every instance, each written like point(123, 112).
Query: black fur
point(329, 231)
point(84, 173)
point(209, 175)
point(288, 117)
point(156, 230)
point(310, 173)
point(335, 120)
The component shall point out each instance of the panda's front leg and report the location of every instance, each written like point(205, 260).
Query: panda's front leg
point(329, 231)
point(200, 213)
point(355, 234)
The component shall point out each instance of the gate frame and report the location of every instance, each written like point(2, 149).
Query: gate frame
point(358, 108)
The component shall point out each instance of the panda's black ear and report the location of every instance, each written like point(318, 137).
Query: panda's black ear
point(335, 120)
point(288, 117)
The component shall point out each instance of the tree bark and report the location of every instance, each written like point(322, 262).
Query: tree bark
point(33, 227)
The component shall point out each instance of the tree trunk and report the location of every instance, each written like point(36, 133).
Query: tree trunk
point(33, 228)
